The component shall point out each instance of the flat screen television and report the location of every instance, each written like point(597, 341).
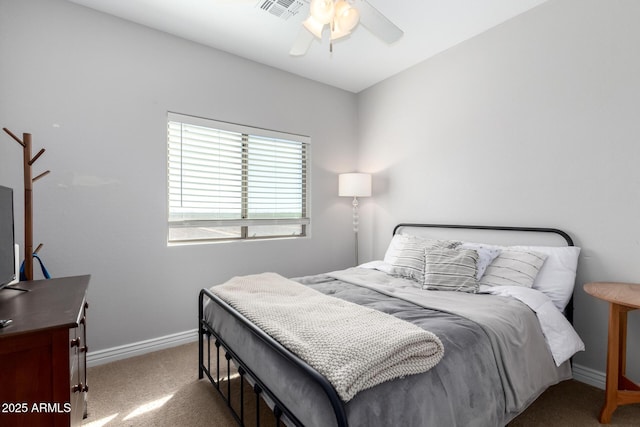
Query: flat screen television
point(7, 238)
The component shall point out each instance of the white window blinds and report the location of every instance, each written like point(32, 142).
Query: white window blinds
point(227, 181)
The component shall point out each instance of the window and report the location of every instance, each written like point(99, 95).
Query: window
point(230, 182)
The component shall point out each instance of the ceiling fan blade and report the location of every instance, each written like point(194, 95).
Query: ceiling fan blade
point(377, 23)
point(302, 43)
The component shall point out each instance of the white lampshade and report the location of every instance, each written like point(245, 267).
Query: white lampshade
point(354, 185)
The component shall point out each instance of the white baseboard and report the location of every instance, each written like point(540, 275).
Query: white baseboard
point(100, 357)
point(589, 376)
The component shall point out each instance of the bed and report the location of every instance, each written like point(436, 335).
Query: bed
point(498, 344)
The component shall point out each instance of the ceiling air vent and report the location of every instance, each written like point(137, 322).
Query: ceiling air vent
point(283, 9)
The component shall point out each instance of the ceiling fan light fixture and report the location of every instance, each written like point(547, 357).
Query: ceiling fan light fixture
point(322, 10)
point(342, 16)
point(346, 17)
point(314, 26)
point(337, 33)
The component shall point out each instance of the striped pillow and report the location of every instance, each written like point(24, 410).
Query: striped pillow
point(451, 270)
point(514, 268)
point(406, 254)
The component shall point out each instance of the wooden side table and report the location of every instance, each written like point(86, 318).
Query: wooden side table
point(622, 298)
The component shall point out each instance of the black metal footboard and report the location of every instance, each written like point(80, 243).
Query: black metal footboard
point(260, 389)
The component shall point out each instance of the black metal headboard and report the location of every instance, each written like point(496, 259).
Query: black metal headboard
point(564, 235)
point(568, 311)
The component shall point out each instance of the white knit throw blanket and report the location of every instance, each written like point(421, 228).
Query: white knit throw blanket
point(354, 347)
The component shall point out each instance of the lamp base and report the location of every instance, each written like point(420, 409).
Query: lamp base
point(356, 223)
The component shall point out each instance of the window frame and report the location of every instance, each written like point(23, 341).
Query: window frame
point(244, 223)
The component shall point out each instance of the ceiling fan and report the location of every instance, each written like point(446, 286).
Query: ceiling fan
point(342, 17)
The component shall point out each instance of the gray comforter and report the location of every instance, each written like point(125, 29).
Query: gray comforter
point(495, 364)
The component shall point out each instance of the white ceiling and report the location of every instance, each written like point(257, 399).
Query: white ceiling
point(357, 62)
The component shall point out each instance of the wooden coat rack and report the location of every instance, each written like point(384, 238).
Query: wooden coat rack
point(28, 161)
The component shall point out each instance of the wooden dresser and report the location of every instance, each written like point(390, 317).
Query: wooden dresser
point(43, 377)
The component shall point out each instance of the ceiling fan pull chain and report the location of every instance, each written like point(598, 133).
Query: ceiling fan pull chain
point(333, 26)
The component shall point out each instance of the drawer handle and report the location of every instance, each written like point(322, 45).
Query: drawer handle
point(83, 320)
point(86, 305)
point(75, 342)
point(84, 349)
point(79, 388)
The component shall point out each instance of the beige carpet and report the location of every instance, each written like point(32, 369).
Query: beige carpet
point(162, 389)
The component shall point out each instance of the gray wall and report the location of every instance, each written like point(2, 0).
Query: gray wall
point(94, 91)
point(534, 122)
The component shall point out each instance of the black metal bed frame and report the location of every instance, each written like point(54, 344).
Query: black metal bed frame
point(206, 332)
point(279, 409)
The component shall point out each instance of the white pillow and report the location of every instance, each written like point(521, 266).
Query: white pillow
point(486, 255)
point(557, 277)
point(514, 268)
